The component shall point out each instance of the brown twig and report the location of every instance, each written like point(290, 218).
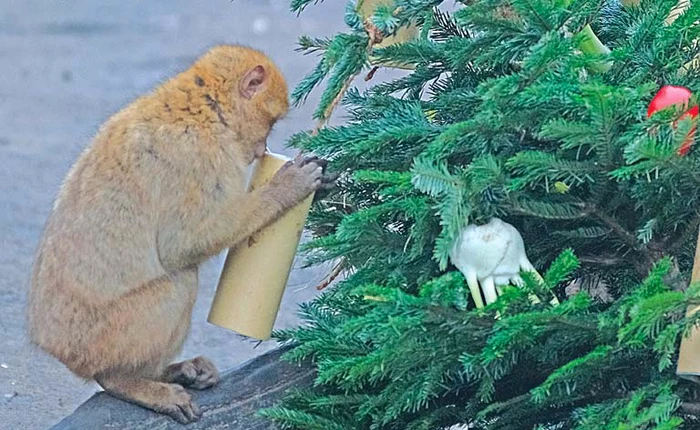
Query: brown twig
point(375, 37)
point(337, 270)
point(331, 107)
point(613, 225)
point(601, 260)
point(629, 238)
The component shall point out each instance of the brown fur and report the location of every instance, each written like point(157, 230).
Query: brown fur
point(159, 190)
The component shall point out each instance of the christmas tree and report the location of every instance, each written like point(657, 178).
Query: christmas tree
point(536, 112)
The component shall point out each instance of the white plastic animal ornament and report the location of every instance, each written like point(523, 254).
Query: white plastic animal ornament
point(490, 255)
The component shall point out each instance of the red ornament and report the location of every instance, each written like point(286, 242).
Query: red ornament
point(670, 95)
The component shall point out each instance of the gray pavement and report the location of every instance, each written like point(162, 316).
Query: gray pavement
point(65, 67)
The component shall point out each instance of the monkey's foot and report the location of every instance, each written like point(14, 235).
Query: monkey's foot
point(170, 399)
point(198, 373)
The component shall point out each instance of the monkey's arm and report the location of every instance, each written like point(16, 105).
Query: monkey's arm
point(245, 214)
point(258, 209)
point(223, 229)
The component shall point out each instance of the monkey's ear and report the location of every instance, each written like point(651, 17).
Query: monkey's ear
point(252, 82)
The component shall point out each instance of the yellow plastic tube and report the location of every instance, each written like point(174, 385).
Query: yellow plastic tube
point(689, 354)
point(256, 271)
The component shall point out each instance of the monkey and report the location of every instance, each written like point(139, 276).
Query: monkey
point(159, 190)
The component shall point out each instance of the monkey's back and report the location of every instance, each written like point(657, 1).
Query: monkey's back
point(98, 247)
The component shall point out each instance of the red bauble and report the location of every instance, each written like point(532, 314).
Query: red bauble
point(670, 95)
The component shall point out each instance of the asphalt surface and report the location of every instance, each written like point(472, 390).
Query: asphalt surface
point(65, 67)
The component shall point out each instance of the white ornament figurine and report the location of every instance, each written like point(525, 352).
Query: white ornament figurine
point(490, 255)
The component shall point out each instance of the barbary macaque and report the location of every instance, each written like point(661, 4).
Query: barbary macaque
point(160, 189)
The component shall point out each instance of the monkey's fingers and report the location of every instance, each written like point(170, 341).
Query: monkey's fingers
point(328, 181)
point(180, 406)
point(317, 161)
point(286, 165)
point(308, 160)
point(198, 373)
point(322, 163)
point(314, 170)
point(325, 186)
point(190, 412)
point(298, 159)
point(330, 177)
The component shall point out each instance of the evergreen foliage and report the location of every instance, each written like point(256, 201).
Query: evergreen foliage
point(506, 112)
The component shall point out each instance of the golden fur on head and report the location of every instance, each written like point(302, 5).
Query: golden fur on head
point(210, 89)
point(226, 65)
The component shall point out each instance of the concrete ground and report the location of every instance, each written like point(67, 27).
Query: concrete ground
point(65, 67)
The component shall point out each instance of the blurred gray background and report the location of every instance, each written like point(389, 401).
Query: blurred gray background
point(65, 67)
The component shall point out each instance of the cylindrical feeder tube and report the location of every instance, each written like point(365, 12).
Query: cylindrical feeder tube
point(689, 355)
point(256, 271)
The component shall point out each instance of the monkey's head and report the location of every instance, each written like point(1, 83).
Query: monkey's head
point(250, 87)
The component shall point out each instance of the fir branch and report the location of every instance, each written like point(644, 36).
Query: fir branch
point(549, 210)
point(337, 270)
point(298, 6)
point(445, 26)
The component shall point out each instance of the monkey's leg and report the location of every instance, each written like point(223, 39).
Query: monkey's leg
point(198, 373)
point(170, 399)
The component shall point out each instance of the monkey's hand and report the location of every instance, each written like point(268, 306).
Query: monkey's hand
point(300, 177)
